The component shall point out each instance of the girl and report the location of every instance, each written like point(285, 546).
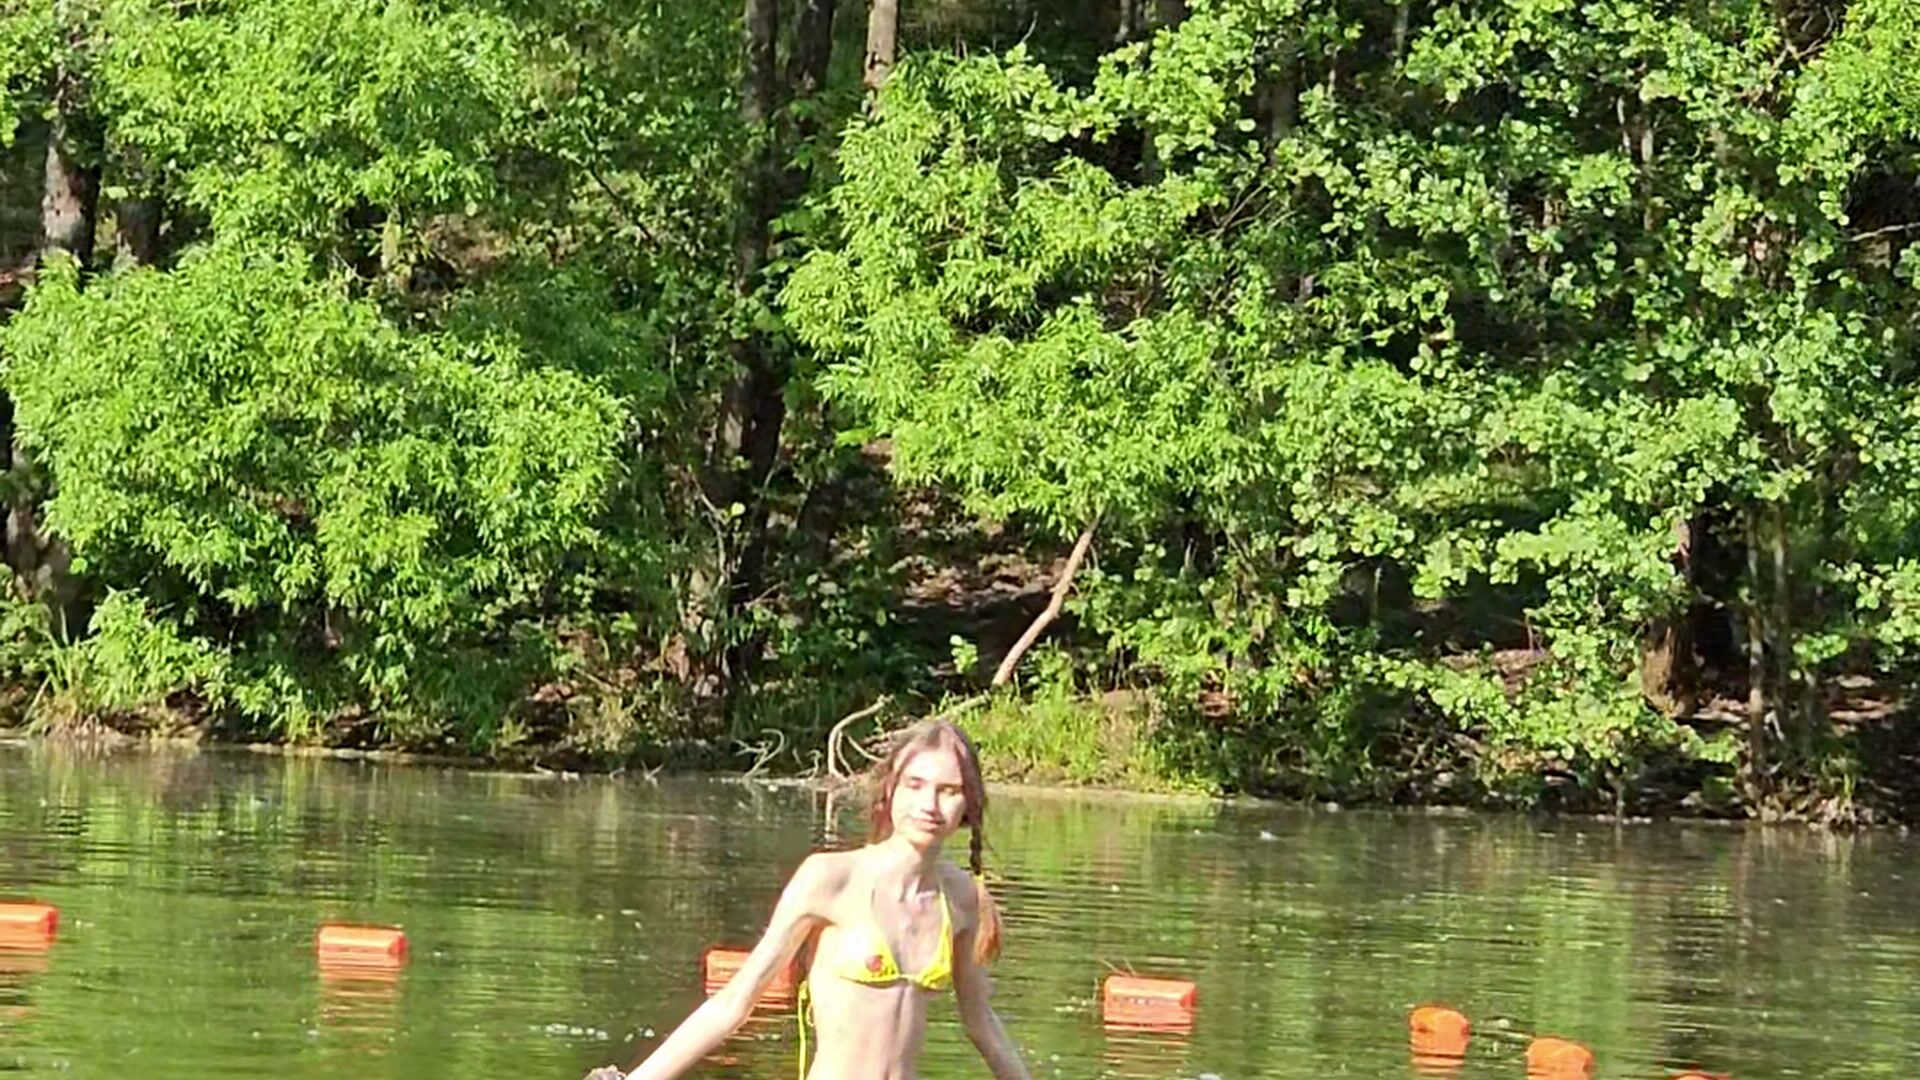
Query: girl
point(890, 925)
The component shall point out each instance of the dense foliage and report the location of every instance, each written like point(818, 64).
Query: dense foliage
point(1473, 398)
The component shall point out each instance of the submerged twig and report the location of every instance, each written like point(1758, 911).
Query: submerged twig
point(764, 753)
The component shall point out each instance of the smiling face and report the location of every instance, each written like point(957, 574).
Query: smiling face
point(929, 798)
point(928, 787)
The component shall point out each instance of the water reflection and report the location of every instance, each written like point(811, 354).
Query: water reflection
point(1143, 1052)
point(555, 924)
point(363, 1005)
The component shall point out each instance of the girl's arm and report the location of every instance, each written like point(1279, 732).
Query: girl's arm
point(801, 910)
point(973, 990)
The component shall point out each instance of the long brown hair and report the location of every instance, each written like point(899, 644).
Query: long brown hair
point(942, 735)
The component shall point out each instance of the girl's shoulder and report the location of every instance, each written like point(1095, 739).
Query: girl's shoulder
point(822, 876)
point(829, 867)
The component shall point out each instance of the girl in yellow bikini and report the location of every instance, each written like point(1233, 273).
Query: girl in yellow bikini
point(885, 929)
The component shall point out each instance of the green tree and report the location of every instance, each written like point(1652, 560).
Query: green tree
point(349, 512)
point(1513, 305)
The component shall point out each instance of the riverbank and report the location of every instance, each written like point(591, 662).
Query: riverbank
point(1128, 746)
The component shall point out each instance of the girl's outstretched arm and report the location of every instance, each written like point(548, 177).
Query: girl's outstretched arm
point(973, 990)
point(801, 910)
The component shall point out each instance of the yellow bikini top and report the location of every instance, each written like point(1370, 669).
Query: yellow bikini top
point(864, 957)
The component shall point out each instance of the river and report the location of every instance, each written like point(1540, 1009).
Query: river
point(557, 922)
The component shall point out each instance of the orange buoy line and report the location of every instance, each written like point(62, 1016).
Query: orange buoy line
point(1552, 1058)
point(1134, 1002)
point(719, 965)
point(28, 923)
point(360, 946)
point(1438, 1036)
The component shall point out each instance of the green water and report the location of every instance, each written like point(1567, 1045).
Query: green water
point(555, 921)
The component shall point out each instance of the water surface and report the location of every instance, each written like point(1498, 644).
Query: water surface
point(557, 922)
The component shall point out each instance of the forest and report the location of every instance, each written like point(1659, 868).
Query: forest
point(1489, 402)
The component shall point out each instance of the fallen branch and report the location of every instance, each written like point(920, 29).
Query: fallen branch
point(1004, 674)
point(838, 736)
point(959, 707)
point(1885, 230)
point(839, 732)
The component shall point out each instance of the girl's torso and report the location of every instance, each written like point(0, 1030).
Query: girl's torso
point(869, 988)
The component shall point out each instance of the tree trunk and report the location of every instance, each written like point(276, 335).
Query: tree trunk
point(1665, 666)
point(753, 403)
point(1819, 526)
point(70, 202)
point(136, 218)
point(883, 42)
point(1282, 93)
point(68, 206)
point(807, 64)
point(747, 438)
point(1754, 774)
point(812, 51)
point(1402, 20)
point(1786, 690)
point(751, 423)
point(136, 231)
point(742, 447)
point(1666, 658)
point(759, 87)
point(69, 209)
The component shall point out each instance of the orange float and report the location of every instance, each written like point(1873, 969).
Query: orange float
point(1438, 1037)
point(1551, 1058)
point(1134, 1002)
point(360, 946)
point(28, 924)
point(718, 967)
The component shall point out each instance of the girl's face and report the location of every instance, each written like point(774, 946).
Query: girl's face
point(929, 798)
